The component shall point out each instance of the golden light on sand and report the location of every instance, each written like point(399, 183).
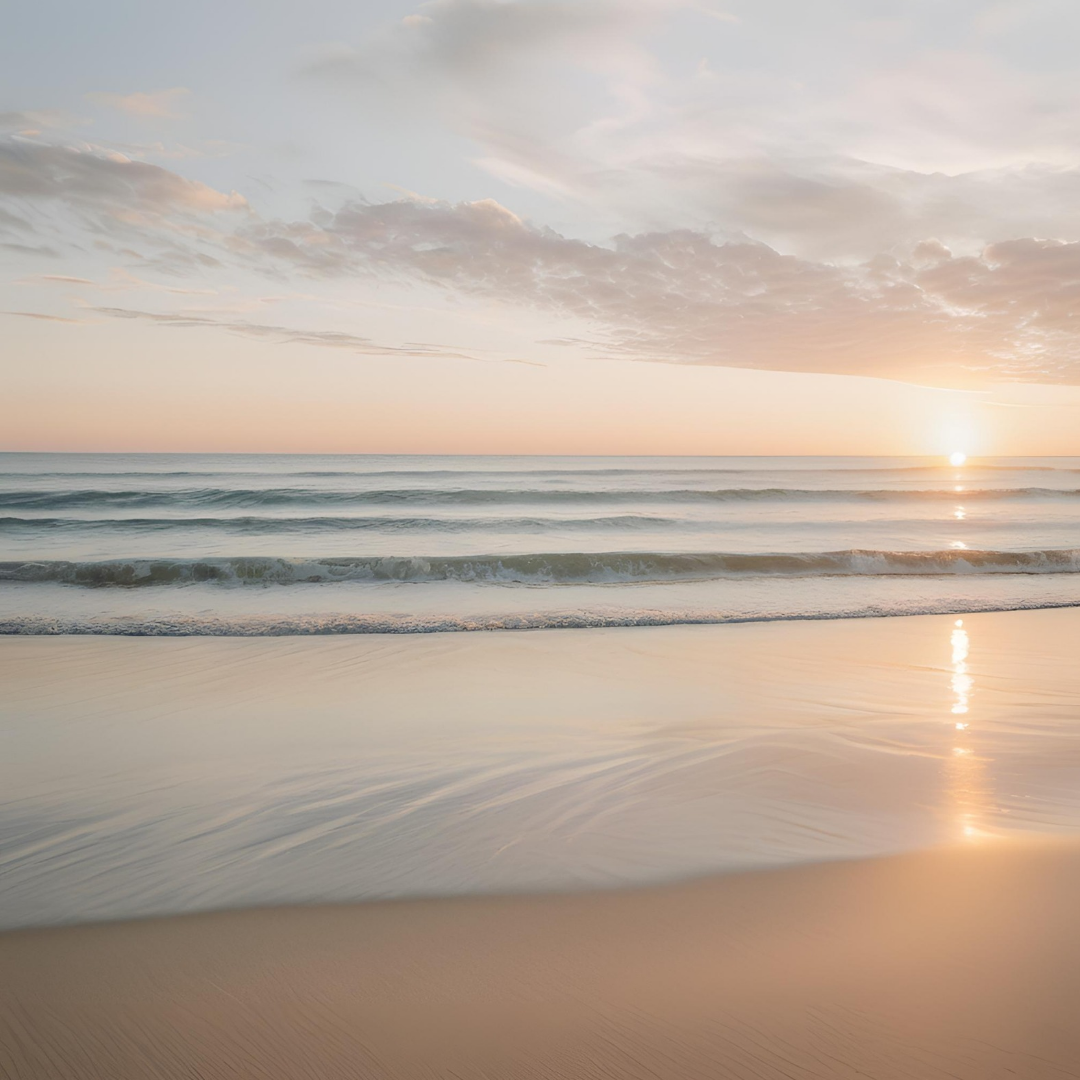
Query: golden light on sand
point(961, 680)
point(966, 769)
point(957, 458)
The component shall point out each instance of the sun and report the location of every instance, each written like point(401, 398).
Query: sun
point(957, 458)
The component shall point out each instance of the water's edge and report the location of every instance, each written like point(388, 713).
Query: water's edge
point(331, 624)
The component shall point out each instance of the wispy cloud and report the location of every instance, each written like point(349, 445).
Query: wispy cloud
point(157, 104)
point(70, 197)
point(44, 317)
point(102, 179)
point(328, 339)
point(34, 121)
point(56, 279)
point(837, 141)
point(720, 16)
point(118, 280)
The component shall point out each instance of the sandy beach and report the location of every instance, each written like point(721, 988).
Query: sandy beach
point(831, 849)
point(954, 963)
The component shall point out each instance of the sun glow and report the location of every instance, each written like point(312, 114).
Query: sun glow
point(957, 458)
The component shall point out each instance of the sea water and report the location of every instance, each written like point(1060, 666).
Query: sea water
point(284, 544)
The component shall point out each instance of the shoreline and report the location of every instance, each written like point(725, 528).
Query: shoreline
point(331, 625)
point(961, 962)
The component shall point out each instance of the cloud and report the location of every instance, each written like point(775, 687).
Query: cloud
point(925, 310)
point(720, 16)
point(13, 223)
point(44, 317)
point(470, 38)
point(839, 187)
point(119, 280)
point(329, 339)
point(57, 279)
point(159, 104)
point(826, 130)
point(841, 209)
point(681, 296)
point(512, 76)
point(33, 121)
point(36, 250)
point(90, 196)
point(102, 180)
point(207, 148)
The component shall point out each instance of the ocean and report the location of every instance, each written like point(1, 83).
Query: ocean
point(283, 544)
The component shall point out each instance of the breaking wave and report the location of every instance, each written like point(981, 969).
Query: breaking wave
point(542, 569)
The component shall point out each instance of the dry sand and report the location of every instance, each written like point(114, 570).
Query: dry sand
point(960, 963)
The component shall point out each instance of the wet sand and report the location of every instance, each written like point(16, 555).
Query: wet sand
point(168, 776)
point(960, 963)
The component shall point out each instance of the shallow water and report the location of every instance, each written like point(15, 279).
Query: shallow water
point(151, 775)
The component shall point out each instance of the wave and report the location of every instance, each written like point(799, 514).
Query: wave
point(965, 470)
point(327, 624)
point(260, 525)
point(714, 470)
point(236, 499)
point(542, 569)
point(361, 473)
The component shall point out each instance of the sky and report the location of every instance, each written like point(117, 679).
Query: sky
point(534, 226)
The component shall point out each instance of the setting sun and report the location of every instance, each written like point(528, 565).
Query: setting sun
point(957, 458)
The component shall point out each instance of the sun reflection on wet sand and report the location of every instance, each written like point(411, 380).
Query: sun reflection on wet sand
point(961, 680)
point(966, 782)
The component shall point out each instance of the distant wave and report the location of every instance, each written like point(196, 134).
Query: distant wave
point(543, 569)
point(238, 499)
point(248, 525)
point(969, 468)
point(560, 471)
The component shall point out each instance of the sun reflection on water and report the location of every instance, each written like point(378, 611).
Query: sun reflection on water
point(966, 770)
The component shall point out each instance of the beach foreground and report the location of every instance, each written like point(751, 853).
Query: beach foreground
point(959, 963)
point(167, 776)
